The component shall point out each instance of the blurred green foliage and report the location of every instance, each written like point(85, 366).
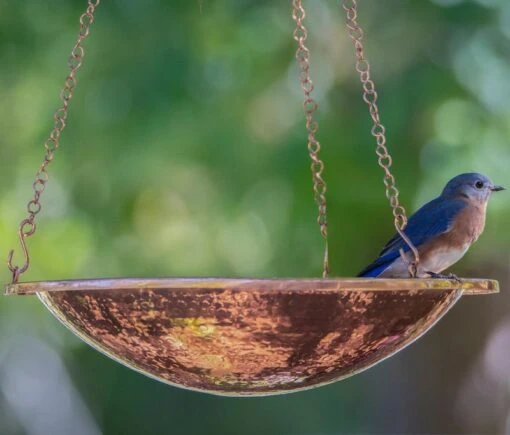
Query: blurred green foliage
point(185, 155)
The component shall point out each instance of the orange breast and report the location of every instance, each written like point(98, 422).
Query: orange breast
point(469, 224)
point(465, 230)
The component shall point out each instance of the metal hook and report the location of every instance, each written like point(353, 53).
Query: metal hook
point(412, 265)
point(16, 270)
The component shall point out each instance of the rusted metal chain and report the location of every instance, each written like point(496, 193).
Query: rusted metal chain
point(28, 226)
point(300, 35)
point(378, 131)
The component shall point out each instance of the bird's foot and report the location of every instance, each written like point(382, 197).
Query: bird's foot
point(451, 276)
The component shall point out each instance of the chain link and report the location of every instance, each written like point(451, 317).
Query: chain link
point(300, 35)
point(378, 131)
point(28, 226)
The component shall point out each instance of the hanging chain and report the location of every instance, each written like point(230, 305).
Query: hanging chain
point(27, 226)
point(378, 131)
point(300, 34)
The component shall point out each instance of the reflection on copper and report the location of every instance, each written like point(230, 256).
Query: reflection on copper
point(250, 337)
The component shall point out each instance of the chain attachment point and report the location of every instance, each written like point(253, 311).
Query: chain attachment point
point(23, 233)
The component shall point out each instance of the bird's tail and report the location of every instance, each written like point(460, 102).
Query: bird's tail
point(376, 268)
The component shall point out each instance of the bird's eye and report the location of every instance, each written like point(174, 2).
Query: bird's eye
point(479, 184)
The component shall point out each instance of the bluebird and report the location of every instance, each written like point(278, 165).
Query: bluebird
point(442, 230)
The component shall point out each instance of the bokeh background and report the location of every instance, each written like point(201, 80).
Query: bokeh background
point(185, 155)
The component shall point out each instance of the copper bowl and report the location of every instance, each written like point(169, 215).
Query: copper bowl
point(255, 337)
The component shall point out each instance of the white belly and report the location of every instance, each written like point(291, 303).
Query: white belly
point(436, 263)
point(442, 260)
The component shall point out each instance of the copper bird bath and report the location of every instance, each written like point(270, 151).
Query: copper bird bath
point(243, 337)
point(250, 337)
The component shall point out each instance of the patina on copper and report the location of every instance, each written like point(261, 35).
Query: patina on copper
point(250, 337)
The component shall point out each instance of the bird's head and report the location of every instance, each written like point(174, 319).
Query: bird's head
point(472, 186)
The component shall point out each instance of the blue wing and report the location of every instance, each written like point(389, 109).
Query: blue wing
point(432, 219)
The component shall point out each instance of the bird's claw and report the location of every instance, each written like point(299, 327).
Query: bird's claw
point(451, 276)
point(454, 277)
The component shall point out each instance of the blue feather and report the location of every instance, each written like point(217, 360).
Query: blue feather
point(433, 219)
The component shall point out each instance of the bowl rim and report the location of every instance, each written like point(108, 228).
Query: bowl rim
point(469, 286)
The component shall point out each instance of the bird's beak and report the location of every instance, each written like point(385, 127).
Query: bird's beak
point(497, 188)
